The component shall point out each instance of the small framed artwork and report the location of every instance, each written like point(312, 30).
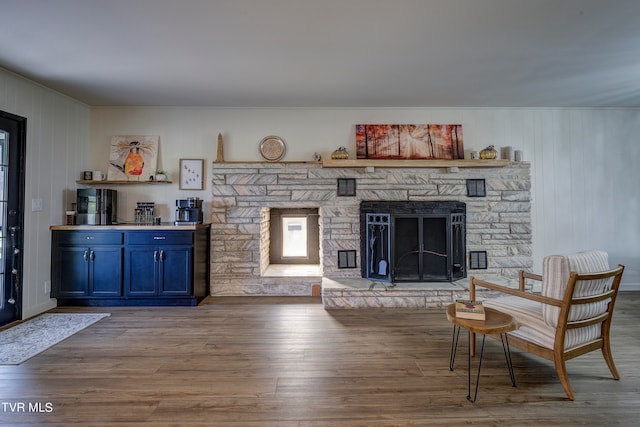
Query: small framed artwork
point(191, 174)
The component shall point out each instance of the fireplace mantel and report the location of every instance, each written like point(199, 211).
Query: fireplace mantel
point(380, 163)
point(363, 163)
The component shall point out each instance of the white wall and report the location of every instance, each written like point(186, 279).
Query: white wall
point(584, 178)
point(57, 141)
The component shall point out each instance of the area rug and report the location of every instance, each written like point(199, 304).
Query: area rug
point(22, 342)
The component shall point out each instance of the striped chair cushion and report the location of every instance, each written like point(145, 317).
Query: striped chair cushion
point(533, 328)
point(529, 315)
point(555, 275)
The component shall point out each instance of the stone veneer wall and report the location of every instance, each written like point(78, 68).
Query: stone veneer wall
point(243, 193)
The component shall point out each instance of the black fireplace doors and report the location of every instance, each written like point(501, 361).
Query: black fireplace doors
point(413, 241)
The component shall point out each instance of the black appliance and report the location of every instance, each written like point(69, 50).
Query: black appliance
point(188, 211)
point(97, 206)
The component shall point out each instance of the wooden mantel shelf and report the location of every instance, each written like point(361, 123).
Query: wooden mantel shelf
point(103, 182)
point(381, 163)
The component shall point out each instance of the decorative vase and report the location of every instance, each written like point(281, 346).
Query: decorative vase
point(489, 153)
point(340, 154)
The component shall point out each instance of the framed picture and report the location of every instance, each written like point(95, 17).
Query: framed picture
point(133, 157)
point(191, 174)
point(409, 142)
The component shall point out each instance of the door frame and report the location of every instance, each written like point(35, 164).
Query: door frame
point(15, 201)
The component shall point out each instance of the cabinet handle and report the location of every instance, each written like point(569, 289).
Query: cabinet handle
point(90, 237)
point(155, 256)
point(159, 237)
point(161, 255)
point(85, 256)
point(92, 255)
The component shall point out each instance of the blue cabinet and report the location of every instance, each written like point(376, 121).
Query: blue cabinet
point(159, 263)
point(130, 267)
point(87, 265)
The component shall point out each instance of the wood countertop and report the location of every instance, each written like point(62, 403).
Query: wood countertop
point(131, 226)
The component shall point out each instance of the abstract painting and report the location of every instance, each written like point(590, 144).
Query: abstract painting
point(409, 142)
point(133, 157)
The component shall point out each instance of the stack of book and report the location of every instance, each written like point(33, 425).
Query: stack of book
point(467, 309)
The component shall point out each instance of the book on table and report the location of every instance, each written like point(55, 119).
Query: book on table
point(468, 309)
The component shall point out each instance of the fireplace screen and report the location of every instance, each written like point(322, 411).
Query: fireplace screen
point(413, 241)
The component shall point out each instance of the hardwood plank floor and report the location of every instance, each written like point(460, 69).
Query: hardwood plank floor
point(270, 361)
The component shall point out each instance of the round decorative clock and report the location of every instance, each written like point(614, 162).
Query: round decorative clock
point(272, 148)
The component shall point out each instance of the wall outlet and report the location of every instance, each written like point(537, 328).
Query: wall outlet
point(47, 286)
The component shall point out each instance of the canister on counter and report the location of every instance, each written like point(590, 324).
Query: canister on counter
point(71, 218)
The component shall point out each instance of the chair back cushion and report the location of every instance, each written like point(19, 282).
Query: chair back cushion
point(555, 275)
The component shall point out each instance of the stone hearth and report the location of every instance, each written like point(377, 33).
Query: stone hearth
point(244, 193)
point(363, 293)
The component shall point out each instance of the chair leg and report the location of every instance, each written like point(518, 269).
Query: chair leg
point(561, 370)
point(606, 353)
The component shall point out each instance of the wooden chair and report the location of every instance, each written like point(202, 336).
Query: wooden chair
point(572, 314)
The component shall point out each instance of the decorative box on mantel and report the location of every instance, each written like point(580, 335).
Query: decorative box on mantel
point(244, 194)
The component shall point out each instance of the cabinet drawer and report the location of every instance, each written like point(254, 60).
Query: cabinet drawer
point(88, 238)
point(160, 237)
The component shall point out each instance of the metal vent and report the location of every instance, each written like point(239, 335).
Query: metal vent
point(477, 260)
point(346, 187)
point(347, 259)
point(476, 188)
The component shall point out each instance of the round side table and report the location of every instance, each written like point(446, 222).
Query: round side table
point(495, 322)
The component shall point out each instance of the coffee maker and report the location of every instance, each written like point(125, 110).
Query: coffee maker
point(188, 211)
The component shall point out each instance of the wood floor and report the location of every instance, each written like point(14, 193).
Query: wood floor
point(269, 361)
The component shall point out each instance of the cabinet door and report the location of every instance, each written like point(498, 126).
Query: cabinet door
point(175, 270)
point(141, 275)
point(105, 275)
point(72, 271)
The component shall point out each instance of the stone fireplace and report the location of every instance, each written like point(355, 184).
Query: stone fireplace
point(498, 224)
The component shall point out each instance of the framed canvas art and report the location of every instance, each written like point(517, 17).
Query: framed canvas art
point(191, 174)
point(133, 157)
point(409, 142)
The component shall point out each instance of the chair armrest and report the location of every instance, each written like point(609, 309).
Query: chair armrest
point(473, 282)
point(526, 275)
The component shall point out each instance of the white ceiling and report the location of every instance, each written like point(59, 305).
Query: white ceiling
point(329, 53)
